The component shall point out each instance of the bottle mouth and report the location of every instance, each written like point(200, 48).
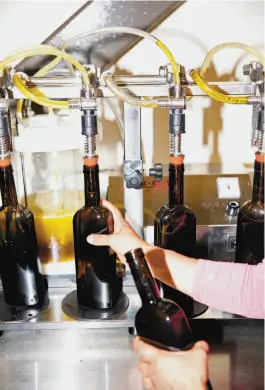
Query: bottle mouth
point(5, 163)
point(259, 157)
point(176, 160)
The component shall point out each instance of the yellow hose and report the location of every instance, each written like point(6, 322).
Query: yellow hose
point(230, 45)
point(175, 66)
point(44, 50)
point(61, 54)
point(213, 93)
point(145, 103)
point(35, 94)
point(20, 103)
point(115, 89)
point(119, 93)
point(210, 91)
point(19, 108)
point(43, 71)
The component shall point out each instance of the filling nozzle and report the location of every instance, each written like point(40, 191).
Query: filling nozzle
point(89, 130)
point(258, 123)
point(5, 135)
point(176, 129)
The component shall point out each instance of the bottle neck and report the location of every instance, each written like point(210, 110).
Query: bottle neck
point(176, 184)
point(92, 190)
point(7, 186)
point(258, 182)
point(145, 283)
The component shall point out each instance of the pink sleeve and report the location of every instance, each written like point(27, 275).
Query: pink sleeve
point(231, 287)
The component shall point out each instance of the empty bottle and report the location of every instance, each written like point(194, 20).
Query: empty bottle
point(99, 285)
point(250, 222)
point(158, 319)
point(159, 322)
point(175, 229)
point(20, 268)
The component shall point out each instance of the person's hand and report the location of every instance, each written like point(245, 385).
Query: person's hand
point(163, 370)
point(124, 237)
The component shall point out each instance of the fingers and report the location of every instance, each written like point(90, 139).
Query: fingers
point(145, 352)
point(147, 382)
point(99, 239)
point(143, 368)
point(202, 345)
point(115, 212)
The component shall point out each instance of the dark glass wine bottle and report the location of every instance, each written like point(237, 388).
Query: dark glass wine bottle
point(20, 268)
point(175, 229)
point(159, 322)
point(99, 285)
point(158, 319)
point(250, 221)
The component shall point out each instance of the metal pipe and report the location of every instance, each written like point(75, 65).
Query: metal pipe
point(53, 81)
point(73, 91)
point(233, 88)
point(139, 80)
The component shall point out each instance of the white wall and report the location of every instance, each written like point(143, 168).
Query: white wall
point(29, 22)
point(214, 131)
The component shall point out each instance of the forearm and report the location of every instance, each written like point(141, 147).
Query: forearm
point(171, 268)
point(235, 288)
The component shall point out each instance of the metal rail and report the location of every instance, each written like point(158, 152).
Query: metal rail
point(143, 85)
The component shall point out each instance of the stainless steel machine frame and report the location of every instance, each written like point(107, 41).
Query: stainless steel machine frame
point(55, 358)
point(148, 85)
point(145, 85)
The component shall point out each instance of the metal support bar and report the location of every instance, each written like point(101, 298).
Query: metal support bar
point(133, 168)
point(143, 85)
point(53, 81)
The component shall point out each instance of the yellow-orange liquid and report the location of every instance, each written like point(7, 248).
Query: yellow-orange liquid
point(53, 213)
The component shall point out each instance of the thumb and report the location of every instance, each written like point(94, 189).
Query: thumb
point(99, 239)
point(202, 345)
point(145, 351)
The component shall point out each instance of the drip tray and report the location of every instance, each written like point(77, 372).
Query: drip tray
point(10, 313)
point(72, 309)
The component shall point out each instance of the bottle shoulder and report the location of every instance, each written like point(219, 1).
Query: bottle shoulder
point(93, 211)
point(164, 306)
point(19, 210)
point(168, 213)
point(89, 220)
point(252, 211)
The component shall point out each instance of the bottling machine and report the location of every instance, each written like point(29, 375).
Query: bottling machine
point(48, 110)
point(48, 147)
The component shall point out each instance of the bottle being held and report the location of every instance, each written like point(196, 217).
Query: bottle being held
point(20, 268)
point(159, 322)
point(175, 228)
point(99, 285)
point(250, 220)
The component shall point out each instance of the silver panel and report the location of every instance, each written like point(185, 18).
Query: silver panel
point(132, 133)
point(103, 50)
point(54, 317)
point(103, 359)
point(133, 197)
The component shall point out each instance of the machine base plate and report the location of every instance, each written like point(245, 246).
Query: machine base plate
point(10, 313)
point(72, 309)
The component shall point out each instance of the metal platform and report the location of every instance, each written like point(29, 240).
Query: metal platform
point(54, 317)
